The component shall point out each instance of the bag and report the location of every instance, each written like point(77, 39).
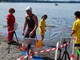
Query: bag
point(15, 26)
point(39, 44)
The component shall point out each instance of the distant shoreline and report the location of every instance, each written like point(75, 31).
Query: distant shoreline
point(43, 1)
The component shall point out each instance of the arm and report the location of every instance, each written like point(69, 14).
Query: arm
point(36, 25)
point(72, 33)
point(41, 29)
point(74, 28)
point(41, 26)
point(25, 24)
point(7, 23)
point(8, 18)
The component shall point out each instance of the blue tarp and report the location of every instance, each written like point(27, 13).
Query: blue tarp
point(34, 58)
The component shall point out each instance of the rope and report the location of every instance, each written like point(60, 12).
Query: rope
point(43, 51)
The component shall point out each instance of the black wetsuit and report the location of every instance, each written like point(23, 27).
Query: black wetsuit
point(31, 25)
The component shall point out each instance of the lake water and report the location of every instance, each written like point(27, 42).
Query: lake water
point(61, 16)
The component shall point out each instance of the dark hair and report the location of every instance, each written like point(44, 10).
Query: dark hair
point(44, 16)
point(77, 14)
point(11, 10)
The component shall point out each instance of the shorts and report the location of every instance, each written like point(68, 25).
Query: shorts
point(77, 45)
point(77, 49)
point(77, 52)
point(27, 34)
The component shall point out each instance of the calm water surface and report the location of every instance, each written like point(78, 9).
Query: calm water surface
point(61, 16)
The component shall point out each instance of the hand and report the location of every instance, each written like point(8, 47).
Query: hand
point(71, 34)
point(4, 26)
point(45, 30)
point(23, 33)
point(31, 33)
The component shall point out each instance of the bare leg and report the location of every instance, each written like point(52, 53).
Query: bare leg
point(78, 57)
point(42, 37)
point(32, 49)
point(24, 45)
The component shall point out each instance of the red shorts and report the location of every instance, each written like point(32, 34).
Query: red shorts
point(10, 35)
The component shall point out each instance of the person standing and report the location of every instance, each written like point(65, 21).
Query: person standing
point(10, 25)
point(31, 22)
point(76, 32)
point(42, 26)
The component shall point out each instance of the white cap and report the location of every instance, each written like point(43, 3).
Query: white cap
point(28, 8)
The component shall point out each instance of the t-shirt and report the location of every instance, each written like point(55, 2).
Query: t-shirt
point(42, 24)
point(10, 21)
point(76, 28)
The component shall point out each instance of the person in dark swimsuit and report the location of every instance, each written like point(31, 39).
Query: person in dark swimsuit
point(31, 25)
point(31, 22)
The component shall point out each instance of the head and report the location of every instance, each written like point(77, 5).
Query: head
point(29, 10)
point(11, 10)
point(44, 17)
point(77, 14)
